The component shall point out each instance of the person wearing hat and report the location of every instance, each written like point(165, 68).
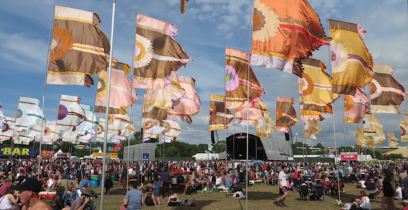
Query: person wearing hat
point(82, 202)
point(28, 194)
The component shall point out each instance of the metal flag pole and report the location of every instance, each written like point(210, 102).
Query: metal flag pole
point(107, 106)
point(43, 94)
point(130, 118)
point(247, 105)
point(334, 131)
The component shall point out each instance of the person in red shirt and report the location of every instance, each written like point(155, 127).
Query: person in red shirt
point(326, 185)
point(5, 186)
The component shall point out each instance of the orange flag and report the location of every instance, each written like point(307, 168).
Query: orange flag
point(283, 32)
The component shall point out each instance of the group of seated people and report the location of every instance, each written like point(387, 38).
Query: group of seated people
point(315, 189)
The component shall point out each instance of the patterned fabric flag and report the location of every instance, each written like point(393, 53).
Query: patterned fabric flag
point(315, 90)
point(122, 93)
point(285, 113)
point(373, 129)
point(189, 103)
point(355, 106)
point(220, 117)
point(265, 126)
point(51, 132)
point(250, 112)
point(387, 94)
point(87, 129)
point(79, 48)
point(171, 129)
point(8, 132)
point(239, 75)
point(100, 133)
point(404, 127)
point(29, 114)
point(119, 124)
point(152, 122)
point(284, 32)
point(392, 140)
point(183, 6)
point(157, 53)
point(312, 128)
point(360, 139)
point(70, 113)
point(351, 61)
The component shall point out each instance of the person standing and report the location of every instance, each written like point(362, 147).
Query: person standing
point(388, 190)
point(283, 186)
point(133, 198)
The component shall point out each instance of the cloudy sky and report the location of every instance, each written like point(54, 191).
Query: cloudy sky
point(205, 30)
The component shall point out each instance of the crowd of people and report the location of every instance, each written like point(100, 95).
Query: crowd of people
point(68, 182)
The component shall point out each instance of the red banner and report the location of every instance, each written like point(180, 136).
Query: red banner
point(347, 156)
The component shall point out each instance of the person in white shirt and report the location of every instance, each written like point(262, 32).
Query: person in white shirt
point(398, 192)
point(364, 201)
point(283, 186)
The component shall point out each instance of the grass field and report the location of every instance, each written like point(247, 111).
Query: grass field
point(261, 197)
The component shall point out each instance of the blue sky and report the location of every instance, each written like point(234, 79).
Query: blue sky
point(205, 30)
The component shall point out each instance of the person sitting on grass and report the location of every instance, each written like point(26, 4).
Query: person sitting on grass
point(150, 199)
point(133, 198)
point(174, 201)
point(364, 201)
point(84, 201)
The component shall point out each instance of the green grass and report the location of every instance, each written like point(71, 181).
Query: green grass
point(261, 197)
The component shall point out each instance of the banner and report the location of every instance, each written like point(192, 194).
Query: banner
point(17, 152)
point(348, 156)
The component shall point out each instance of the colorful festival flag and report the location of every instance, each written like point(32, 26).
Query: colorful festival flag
point(392, 140)
point(79, 49)
point(88, 128)
point(29, 114)
point(285, 114)
point(355, 106)
point(373, 129)
point(265, 126)
point(8, 132)
point(189, 103)
point(251, 112)
point(183, 6)
point(220, 116)
point(122, 93)
point(70, 113)
point(312, 128)
point(171, 130)
point(387, 94)
point(51, 132)
point(404, 127)
point(157, 53)
point(239, 75)
point(283, 32)
point(350, 59)
point(315, 90)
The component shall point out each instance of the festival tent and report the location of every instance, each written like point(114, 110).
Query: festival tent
point(400, 150)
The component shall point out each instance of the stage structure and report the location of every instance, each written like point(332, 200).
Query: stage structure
point(266, 149)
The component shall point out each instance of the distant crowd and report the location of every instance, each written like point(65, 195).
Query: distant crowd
point(67, 184)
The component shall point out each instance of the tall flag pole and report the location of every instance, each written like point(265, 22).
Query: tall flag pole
point(107, 106)
point(333, 66)
point(44, 91)
point(247, 106)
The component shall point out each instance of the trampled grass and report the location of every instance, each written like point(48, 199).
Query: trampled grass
point(261, 197)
